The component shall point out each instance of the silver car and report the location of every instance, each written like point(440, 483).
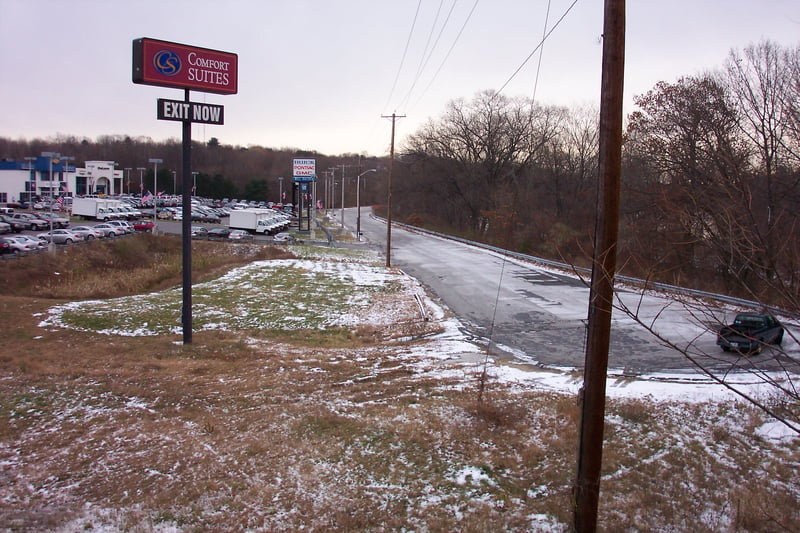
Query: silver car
point(60, 236)
point(88, 233)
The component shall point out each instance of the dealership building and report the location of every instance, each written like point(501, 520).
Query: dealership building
point(44, 177)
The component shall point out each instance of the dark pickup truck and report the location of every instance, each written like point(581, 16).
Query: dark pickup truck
point(749, 333)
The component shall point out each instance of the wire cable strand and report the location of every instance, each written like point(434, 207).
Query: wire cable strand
point(403, 60)
point(426, 57)
point(452, 46)
point(541, 43)
point(541, 52)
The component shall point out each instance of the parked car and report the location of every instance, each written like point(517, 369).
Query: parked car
point(749, 333)
point(239, 235)
point(58, 222)
point(126, 226)
point(31, 221)
point(5, 228)
point(88, 233)
point(143, 225)
point(16, 225)
point(199, 232)
point(219, 233)
point(60, 236)
point(26, 243)
point(109, 230)
point(283, 238)
point(5, 246)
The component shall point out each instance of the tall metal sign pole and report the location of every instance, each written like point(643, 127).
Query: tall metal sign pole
point(304, 173)
point(180, 66)
point(601, 295)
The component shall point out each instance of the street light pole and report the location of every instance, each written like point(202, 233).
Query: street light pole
point(155, 162)
point(358, 202)
point(194, 183)
point(342, 196)
point(280, 189)
point(128, 179)
point(50, 156)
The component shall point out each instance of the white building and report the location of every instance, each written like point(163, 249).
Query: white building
point(99, 177)
point(44, 177)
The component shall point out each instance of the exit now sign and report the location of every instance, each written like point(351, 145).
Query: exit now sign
point(182, 111)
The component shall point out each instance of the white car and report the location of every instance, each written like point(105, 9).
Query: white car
point(239, 235)
point(109, 230)
point(126, 226)
point(283, 238)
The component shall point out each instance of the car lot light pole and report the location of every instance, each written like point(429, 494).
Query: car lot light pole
point(51, 246)
point(358, 202)
point(128, 179)
point(141, 181)
point(155, 162)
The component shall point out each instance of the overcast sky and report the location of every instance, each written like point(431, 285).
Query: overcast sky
point(318, 74)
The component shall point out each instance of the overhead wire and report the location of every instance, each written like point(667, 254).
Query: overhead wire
point(405, 52)
point(428, 41)
point(447, 55)
point(426, 56)
point(538, 46)
point(541, 52)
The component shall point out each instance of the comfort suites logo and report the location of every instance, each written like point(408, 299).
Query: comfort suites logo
point(167, 62)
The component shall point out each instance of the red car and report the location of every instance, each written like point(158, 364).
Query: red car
point(143, 225)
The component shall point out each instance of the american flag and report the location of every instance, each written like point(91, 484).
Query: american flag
point(147, 197)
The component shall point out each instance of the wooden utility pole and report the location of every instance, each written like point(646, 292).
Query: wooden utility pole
point(601, 295)
point(394, 118)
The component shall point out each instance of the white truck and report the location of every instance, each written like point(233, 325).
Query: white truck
point(266, 221)
point(96, 208)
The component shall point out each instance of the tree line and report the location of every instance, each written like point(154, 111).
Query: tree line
point(223, 171)
point(710, 180)
point(710, 183)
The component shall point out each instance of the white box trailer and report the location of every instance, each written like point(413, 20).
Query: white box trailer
point(255, 220)
point(96, 208)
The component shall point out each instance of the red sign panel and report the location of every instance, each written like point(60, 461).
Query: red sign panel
point(182, 66)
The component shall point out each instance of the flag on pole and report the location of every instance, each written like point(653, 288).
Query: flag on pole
point(147, 197)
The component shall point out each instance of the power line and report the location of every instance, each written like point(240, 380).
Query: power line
point(426, 56)
point(541, 52)
point(452, 46)
point(402, 61)
point(538, 46)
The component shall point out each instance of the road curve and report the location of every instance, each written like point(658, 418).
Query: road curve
point(538, 315)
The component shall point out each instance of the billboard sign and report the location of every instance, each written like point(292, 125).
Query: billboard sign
point(181, 66)
point(304, 168)
point(179, 110)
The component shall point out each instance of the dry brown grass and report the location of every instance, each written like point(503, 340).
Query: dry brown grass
point(284, 434)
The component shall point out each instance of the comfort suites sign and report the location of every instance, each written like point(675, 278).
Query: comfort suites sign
point(181, 66)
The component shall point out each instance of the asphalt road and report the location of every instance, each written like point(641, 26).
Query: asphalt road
point(538, 315)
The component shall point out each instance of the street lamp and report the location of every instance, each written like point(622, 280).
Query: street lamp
point(174, 185)
point(194, 183)
point(342, 197)
point(51, 157)
point(141, 182)
point(280, 193)
point(155, 162)
point(128, 179)
point(358, 202)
